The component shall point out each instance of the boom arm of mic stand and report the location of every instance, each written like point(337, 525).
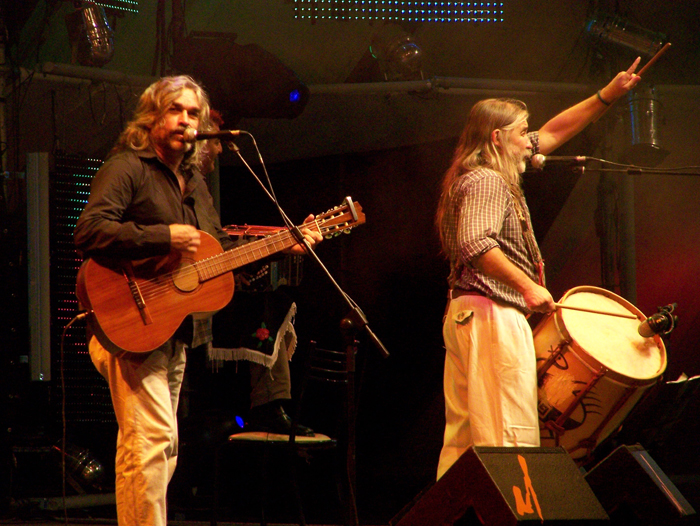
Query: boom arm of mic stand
point(359, 320)
point(652, 171)
point(640, 170)
point(356, 315)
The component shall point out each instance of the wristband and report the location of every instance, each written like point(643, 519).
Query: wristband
point(601, 99)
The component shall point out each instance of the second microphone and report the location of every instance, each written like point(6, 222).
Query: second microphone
point(192, 135)
point(538, 161)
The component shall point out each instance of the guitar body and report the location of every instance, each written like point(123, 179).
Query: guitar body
point(137, 306)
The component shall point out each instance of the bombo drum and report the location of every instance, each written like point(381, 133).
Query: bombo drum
point(592, 369)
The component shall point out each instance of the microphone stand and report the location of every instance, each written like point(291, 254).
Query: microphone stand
point(356, 318)
point(618, 253)
point(636, 170)
point(629, 169)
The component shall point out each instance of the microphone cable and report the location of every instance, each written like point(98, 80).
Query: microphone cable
point(64, 425)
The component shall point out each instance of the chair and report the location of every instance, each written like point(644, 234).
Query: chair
point(333, 373)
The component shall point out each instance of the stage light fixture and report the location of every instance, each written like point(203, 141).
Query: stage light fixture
point(400, 57)
point(642, 128)
point(400, 10)
point(91, 37)
point(643, 107)
point(83, 470)
point(616, 30)
point(118, 6)
point(243, 81)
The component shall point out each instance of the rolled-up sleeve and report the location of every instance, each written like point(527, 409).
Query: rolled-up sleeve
point(483, 203)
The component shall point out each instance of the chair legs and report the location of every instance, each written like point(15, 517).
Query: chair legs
point(215, 490)
point(264, 486)
point(294, 481)
point(345, 485)
point(264, 483)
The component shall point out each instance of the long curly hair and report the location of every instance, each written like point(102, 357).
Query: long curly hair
point(476, 148)
point(151, 109)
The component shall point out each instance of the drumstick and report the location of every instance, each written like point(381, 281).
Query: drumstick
point(641, 72)
point(618, 314)
point(654, 58)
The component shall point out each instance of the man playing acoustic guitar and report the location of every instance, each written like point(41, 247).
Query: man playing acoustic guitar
point(149, 200)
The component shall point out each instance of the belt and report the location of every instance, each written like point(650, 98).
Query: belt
point(456, 293)
point(453, 294)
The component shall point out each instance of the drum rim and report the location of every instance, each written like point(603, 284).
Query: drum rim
point(588, 358)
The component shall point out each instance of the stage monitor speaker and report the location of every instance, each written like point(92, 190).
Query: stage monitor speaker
point(634, 490)
point(507, 486)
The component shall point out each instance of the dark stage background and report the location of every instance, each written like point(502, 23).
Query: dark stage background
point(392, 268)
point(386, 144)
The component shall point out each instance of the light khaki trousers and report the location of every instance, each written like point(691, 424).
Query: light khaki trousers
point(145, 388)
point(490, 378)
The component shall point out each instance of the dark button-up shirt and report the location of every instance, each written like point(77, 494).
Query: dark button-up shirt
point(133, 199)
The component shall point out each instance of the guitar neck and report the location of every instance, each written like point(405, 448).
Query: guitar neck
point(237, 257)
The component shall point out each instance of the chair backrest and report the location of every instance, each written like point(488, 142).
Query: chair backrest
point(334, 370)
point(325, 365)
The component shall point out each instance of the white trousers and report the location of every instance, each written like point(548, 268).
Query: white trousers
point(145, 388)
point(490, 378)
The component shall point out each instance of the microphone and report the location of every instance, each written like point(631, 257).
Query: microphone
point(538, 161)
point(191, 135)
point(663, 322)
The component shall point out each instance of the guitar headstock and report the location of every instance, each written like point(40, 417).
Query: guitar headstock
point(340, 219)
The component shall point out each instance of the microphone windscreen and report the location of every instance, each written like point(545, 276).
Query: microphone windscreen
point(537, 161)
point(189, 135)
point(645, 330)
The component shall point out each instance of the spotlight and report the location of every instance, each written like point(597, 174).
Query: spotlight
point(83, 470)
point(91, 38)
point(614, 29)
point(242, 80)
point(642, 128)
point(399, 55)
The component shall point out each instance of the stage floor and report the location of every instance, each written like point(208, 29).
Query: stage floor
point(104, 522)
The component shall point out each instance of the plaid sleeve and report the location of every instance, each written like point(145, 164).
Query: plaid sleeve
point(535, 140)
point(484, 202)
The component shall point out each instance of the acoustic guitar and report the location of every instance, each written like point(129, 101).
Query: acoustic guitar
point(136, 306)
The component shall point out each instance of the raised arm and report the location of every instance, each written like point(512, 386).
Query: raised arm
point(571, 121)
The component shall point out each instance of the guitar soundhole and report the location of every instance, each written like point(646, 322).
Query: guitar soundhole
point(185, 277)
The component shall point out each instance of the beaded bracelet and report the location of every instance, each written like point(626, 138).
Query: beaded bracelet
point(601, 99)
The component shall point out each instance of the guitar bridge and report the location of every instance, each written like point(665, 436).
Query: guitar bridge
point(138, 298)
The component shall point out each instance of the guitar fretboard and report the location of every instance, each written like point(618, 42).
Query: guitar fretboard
point(237, 257)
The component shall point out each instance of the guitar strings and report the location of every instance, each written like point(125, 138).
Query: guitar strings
point(216, 265)
point(206, 268)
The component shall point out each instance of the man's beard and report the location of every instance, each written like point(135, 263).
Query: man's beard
point(518, 159)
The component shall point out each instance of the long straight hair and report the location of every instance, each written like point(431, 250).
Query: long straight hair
point(476, 149)
point(151, 109)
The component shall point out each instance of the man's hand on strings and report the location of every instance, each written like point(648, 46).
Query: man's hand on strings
point(184, 238)
point(313, 238)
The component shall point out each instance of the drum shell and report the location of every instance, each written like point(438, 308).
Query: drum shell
point(611, 397)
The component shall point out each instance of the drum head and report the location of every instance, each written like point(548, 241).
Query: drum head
point(612, 341)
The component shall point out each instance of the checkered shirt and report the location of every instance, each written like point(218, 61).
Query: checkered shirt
point(482, 215)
